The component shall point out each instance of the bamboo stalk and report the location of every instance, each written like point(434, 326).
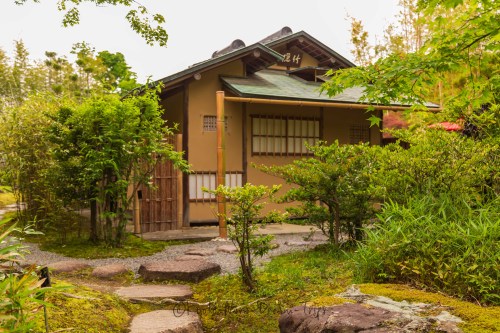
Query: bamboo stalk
point(221, 163)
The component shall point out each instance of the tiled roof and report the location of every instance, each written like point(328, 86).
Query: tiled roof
point(279, 85)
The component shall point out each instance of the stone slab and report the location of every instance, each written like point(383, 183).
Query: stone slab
point(67, 266)
point(189, 257)
point(227, 249)
point(166, 321)
point(297, 243)
point(200, 252)
point(109, 271)
point(190, 270)
point(177, 292)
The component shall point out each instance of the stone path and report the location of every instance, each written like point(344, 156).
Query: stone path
point(163, 321)
point(155, 292)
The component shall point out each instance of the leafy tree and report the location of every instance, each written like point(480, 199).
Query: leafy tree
point(26, 154)
point(332, 187)
point(118, 75)
point(463, 38)
point(146, 25)
point(245, 211)
point(107, 144)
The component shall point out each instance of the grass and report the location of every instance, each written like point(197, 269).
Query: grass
point(287, 281)
point(68, 243)
point(80, 309)
point(133, 246)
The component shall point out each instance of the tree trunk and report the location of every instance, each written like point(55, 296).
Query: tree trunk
point(337, 223)
point(94, 235)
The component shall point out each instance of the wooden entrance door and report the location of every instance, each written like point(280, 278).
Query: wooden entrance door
point(159, 205)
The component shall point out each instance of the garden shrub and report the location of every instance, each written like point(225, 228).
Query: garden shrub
point(440, 243)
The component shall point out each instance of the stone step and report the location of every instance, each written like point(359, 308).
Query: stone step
point(162, 321)
point(68, 266)
point(109, 271)
point(155, 292)
point(190, 270)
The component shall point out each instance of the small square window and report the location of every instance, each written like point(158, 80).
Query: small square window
point(210, 123)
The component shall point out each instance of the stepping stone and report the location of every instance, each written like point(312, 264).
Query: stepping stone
point(200, 252)
point(167, 321)
point(68, 266)
point(177, 292)
point(189, 257)
point(109, 271)
point(298, 243)
point(190, 270)
point(227, 249)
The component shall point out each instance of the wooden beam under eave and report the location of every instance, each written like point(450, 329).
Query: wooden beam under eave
point(336, 105)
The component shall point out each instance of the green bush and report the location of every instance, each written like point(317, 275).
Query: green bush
point(439, 243)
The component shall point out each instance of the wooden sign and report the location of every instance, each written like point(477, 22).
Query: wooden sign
point(291, 59)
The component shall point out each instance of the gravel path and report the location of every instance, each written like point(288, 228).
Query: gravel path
point(229, 262)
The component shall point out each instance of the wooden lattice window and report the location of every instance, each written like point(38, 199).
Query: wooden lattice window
point(210, 123)
point(207, 179)
point(282, 136)
point(359, 134)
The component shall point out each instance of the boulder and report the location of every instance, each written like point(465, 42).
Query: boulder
point(109, 271)
point(346, 318)
point(166, 321)
point(155, 292)
point(190, 270)
point(370, 314)
point(68, 266)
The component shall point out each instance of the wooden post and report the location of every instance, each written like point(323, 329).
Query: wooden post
point(221, 163)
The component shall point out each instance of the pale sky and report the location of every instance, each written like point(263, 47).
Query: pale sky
point(196, 28)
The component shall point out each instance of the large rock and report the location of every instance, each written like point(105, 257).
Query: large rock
point(166, 321)
point(177, 292)
point(191, 270)
point(346, 318)
point(68, 266)
point(370, 314)
point(109, 271)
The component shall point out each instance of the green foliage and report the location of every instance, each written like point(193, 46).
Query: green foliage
point(461, 51)
point(26, 154)
point(333, 187)
point(245, 211)
point(19, 289)
point(438, 162)
point(441, 243)
point(103, 146)
point(146, 25)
